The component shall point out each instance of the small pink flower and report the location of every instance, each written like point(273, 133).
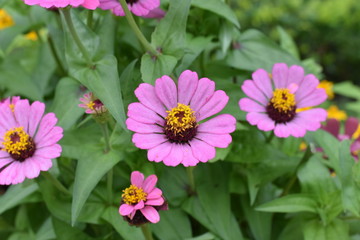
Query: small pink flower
point(171, 121)
point(92, 104)
point(28, 140)
point(142, 199)
point(137, 7)
point(89, 4)
point(278, 102)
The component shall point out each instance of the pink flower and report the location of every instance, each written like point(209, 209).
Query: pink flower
point(137, 7)
point(89, 4)
point(92, 104)
point(171, 121)
point(278, 102)
point(28, 140)
point(142, 199)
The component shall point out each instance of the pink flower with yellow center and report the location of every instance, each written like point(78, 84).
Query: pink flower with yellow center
point(141, 8)
point(28, 140)
point(272, 103)
point(142, 200)
point(91, 104)
point(172, 122)
point(89, 4)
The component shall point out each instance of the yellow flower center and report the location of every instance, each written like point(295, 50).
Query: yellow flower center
point(328, 87)
point(180, 119)
point(335, 113)
point(133, 195)
point(5, 19)
point(16, 140)
point(283, 100)
point(91, 105)
point(356, 133)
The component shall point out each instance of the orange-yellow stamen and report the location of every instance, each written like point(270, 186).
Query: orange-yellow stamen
point(180, 118)
point(283, 100)
point(5, 20)
point(133, 195)
point(91, 105)
point(15, 140)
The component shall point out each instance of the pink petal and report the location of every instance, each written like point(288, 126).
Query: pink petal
point(165, 89)
point(150, 4)
point(149, 140)
point(136, 126)
point(5, 161)
point(310, 119)
point(149, 183)
point(50, 138)
point(159, 152)
point(254, 118)
point(266, 124)
point(188, 159)
point(46, 125)
point(215, 104)
point(125, 209)
point(215, 140)
point(332, 126)
point(201, 150)
point(296, 130)
point(4, 154)
point(155, 202)
point(11, 171)
point(137, 179)
point(50, 152)
point(351, 126)
point(7, 120)
point(37, 110)
point(296, 75)
point(154, 194)
point(203, 93)
point(19, 176)
point(263, 82)
point(151, 214)
point(22, 114)
point(139, 205)
point(282, 130)
point(280, 75)
point(138, 9)
point(175, 156)
point(306, 87)
point(252, 91)
point(248, 105)
point(44, 163)
point(91, 4)
point(147, 96)
point(187, 84)
point(224, 123)
point(317, 97)
point(155, 13)
point(140, 113)
point(31, 168)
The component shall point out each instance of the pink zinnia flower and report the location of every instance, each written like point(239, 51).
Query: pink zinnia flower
point(137, 7)
point(92, 104)
point(28, 140)
point(142, 199)
point(279, 102)
point(89, 4)
point(171, 122)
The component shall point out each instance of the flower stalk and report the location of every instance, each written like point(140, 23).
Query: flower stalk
point(147, 232)
point(190, 173)
point(56, 182)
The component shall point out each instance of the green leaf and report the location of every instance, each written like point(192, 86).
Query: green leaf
point(46, 231)
point(330, 146)
point(155, 67)
point(217, 7)
point(112, 216)
point(315, 230)
point(287, 43)
point(290, 203)
point(347, 89)
point(64, 231)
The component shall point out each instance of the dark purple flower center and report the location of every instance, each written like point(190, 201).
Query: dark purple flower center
point(131, 2)
point(18, 144)
point(26, 153)
point(282, 107)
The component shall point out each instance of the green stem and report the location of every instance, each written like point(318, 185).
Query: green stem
point(110, 176)
point(147, 232)
point(89, 20)
point(135, 28)
point(105, 131)
point(56, 56)
point(270, 138)
point(67, 15)
point(56, 182)
point(190, 173)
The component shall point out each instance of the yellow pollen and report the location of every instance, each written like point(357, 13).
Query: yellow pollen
point(133, 195)
point(15, 140)
point(12, 107)
point(328, 87)
point(91, 105)
point(335, 113)
point(356, 133)
point(5, 20)
point(283, 100)
point(180, 118)
point(303, 109)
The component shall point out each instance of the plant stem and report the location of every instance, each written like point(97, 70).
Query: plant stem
point(270, 138)
point(147, 232)
point(136, 29)
point(56, 56)
point(67, 16)
point(105, 131)
point(56, 182)
point(89, 20)
point(190, 173)
point(110, 176)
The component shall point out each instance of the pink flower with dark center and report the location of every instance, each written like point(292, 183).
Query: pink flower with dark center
point(89, 4)
point(138, 7)
point(142, 200)
point(279, 102)
point(92, 104)
point(28, 140)
point(171, 121)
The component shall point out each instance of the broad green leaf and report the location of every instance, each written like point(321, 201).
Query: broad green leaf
point(64, 231)
point(347, 89)
point(330, 146)
point(129, 83)
point(155, 67)
point(217, 7)
point(112, 216)
point(290, 203)
point(336, 230)
point(46, 231)
point(22, 219)
point(205, 236)
point(287, 43)
point(292, 229)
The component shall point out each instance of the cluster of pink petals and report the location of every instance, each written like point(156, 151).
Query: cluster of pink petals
point(89, 4)
point(260, 90)
point(154, 198)
point(143, 8)
point(147, 119)
point(88, 98)
point(41, 127)
point(351, 125)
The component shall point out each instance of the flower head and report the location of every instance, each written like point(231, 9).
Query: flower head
point(274, 103)
point(89, 4)
point(335, 113)
point(28, 140)
point(92, 104)
point(171, 121)
point(143, 8)
point(142, 200)
point(5, 19)
point(31, 36)
point(328, 87)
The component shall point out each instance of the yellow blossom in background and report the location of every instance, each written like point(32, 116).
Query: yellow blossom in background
point(356, 133)
point(302, 146)
point(31, 36)
point(328, 87)
point(5, 19)
point(335, 113)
